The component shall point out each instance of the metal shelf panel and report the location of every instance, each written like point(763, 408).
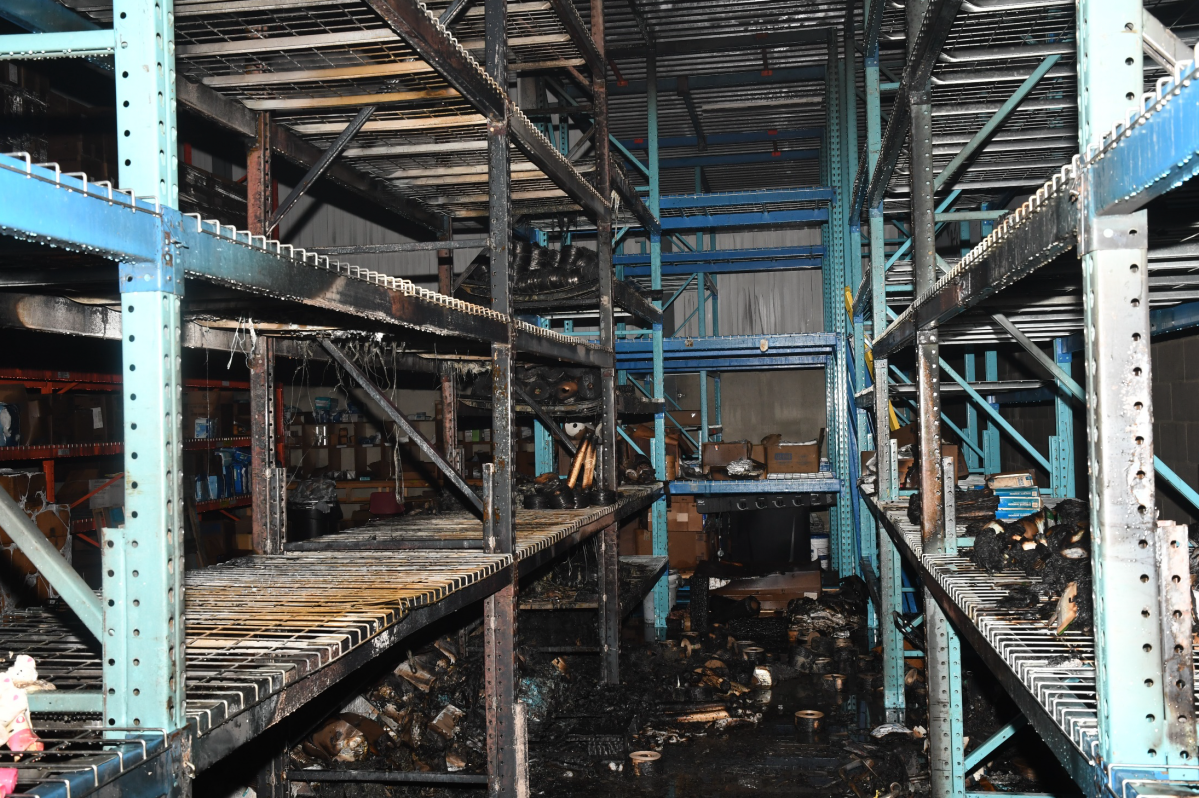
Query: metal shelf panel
point(252, 658)
point(821, 482)
point(1051, 677)
point(1028, 239)
point(1157, 152)
point(80, 760)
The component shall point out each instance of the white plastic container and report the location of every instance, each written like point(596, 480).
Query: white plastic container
point(820, 550)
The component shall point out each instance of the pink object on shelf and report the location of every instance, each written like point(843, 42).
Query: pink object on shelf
point(8, 781)
point(384, 502)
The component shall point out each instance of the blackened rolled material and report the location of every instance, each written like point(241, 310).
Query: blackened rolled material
point(603, 497)
point(565, 390)
point(526, 374)
point(539, 390)
point(589, 386)
point(582, 499)
point(534, 501)
point(567, 257)
point(518, 255)
point(588, 265)
point(563, 498)
point(542, 259)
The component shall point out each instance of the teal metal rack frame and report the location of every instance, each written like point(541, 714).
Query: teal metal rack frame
point(1124, 724)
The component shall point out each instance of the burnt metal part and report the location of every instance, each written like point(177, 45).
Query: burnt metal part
point(631, 199)
point(453, 12)
point(259, 188)
point(1046, 233)
point(609, 605)
point(266, 512)
point(546, 419)
point(410, 246)
point(384, 777)
point(272, 780)
point(928, 380)
point(322, 165)
point(922, 56)
point(722, 44)
point(393, 412)
point(624, 296)
point(764, 501)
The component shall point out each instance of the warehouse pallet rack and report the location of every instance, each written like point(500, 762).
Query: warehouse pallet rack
point(174, 701)
point(984, 113)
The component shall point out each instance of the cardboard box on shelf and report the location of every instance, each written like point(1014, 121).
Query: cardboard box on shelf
point(26, 487)
point(75, 485)
point(723, 452)
point(683, 515)
point(54, 521)
point(14, 415)
point(40, 416)
point(91, 421)
point(686, 548)
point(786, 457)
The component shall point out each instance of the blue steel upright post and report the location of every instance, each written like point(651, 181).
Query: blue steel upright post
point(943, 654)
point(840, 516)
point(890, 573)
point(143, 562)
point(1143, 721)
point(661, 590)
point(1061, 445)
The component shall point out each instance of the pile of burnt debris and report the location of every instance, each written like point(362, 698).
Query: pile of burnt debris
point(1051, 545)
point(761, 702)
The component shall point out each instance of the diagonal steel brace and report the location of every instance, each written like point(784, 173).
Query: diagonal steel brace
point(394, 413)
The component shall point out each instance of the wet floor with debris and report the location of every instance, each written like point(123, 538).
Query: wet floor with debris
point(711, 713)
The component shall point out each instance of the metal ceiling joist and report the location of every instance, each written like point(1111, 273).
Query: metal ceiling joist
point(579, 34)
point(719, 44)
point(643, 27)
point(938, 21)
point(684, 90)
point(728, 80)
point(435, 45)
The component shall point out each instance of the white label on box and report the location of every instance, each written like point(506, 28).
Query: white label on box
point(682, 518)
point(97, 418)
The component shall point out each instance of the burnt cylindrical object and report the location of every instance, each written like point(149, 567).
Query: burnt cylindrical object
point(576, 465)
point(836, 681)
point(645, 763)
point(589, 467)
point(809, 721)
